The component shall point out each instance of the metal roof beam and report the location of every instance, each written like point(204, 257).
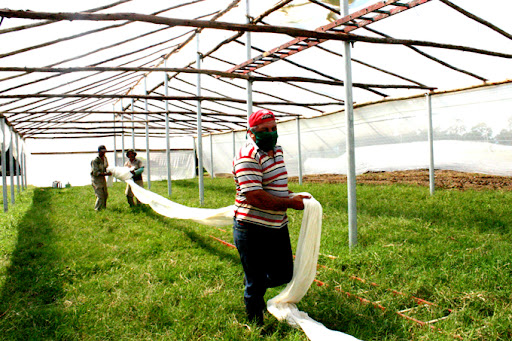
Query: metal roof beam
point(301, 43)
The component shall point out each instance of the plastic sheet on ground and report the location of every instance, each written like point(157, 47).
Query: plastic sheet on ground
point(304, 270)
point(168, 208)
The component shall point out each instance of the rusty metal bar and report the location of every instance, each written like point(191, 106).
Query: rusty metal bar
point(301, 43)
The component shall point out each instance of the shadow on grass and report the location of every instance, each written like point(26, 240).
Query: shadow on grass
point(33, 282)
point(204, 242)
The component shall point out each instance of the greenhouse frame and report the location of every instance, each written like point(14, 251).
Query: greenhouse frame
point(370, 86)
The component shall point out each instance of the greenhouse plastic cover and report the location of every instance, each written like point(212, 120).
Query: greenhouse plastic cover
point(182, 164)
point(182, 167)
point(472, 133)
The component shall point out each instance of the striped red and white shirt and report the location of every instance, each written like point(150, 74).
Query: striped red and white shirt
point(253, 169)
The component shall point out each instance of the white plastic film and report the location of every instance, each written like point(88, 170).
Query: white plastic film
point(304, 268)
point(5, 135)
point(75, 169)
point(472, 133)
point(222, 152)
point(168, 208)
point(182, 164)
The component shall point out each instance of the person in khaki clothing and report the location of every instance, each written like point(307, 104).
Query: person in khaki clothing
point(136, 168)
point(98, 172)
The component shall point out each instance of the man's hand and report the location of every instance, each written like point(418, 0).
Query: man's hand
point(267, 201)
point(297, 201)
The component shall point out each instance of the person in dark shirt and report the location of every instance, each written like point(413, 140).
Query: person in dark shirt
point(136, 168)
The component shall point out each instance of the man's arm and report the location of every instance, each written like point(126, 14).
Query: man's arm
point(106, 167)
point(261, 199)
point(95, 168)
point(137, 171)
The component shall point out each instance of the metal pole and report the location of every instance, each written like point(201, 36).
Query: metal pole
point(211, 154)
point(133, 127)
point(431, 175)
point(22, 168)
point(11, 165)
point(122, 134)
point(167, 141)
point(115, 144)
point(25, 167)
point(299, 148)
point(351, 164)
point(18, 166)
point(234, 147)
point(199, 128)
point(147, 136)
point(4, 168)
point(248, 46)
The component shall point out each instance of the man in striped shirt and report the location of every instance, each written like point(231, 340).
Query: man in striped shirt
point(260, 228)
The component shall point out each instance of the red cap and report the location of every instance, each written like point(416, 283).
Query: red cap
point(261, 116)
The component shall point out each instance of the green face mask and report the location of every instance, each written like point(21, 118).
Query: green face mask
point(265, 140)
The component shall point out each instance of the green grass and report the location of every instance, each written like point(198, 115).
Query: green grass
point(69, 273)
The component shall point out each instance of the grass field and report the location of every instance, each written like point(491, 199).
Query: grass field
point(69, 273)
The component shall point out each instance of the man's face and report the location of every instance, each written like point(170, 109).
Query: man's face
point(268, 126)
point(131, 156)
point(102, 152)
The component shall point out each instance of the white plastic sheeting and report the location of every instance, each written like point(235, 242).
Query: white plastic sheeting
point(10, 146)
point(472, 133)
point(283, 306)
point(7, 134)
point(304, 270)
point(76, 168)
point(206, 216)
point(182, 164)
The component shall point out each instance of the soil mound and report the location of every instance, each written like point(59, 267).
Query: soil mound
point(443, 179)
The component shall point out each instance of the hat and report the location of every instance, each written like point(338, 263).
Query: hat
point(131, 151)
point(261, 116)
point(102, 148)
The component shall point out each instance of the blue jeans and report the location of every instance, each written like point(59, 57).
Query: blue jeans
point(267, 259)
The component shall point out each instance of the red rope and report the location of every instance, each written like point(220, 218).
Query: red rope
point(366, 301)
